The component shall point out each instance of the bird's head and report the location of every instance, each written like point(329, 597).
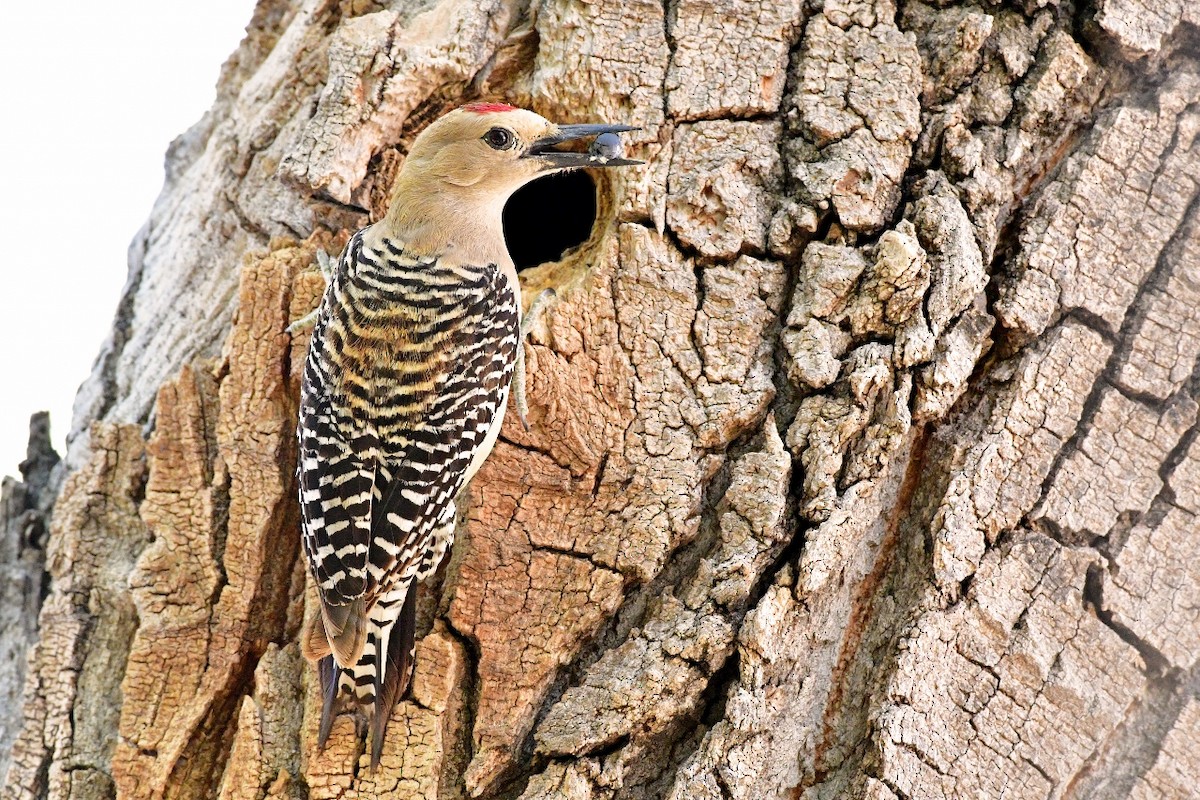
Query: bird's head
point(496, 149)
point(461, 170)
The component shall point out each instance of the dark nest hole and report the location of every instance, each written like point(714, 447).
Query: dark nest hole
point(547, 217)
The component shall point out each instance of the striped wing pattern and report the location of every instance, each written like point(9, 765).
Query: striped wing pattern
point(406, 376)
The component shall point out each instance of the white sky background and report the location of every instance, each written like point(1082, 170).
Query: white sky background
point(91, 94)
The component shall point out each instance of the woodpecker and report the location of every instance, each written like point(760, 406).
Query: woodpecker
point(408, 372)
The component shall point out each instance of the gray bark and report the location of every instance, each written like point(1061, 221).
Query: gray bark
point(24, 521)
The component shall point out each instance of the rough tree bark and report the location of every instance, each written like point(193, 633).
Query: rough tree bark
point(863, 458)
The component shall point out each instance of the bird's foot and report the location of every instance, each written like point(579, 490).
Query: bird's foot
point(536, 308)
point(304, 322)
point(325, 264)
point(518, 388)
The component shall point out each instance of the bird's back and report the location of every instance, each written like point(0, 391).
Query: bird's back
point(403, 394)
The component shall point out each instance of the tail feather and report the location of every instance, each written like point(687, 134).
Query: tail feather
point(314, 644)
point(394, 676)
point(346, 627)
point(381, 674)
point(328, 673)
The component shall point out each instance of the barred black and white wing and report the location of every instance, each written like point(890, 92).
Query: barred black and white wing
point(336, 477)
point(403, 393)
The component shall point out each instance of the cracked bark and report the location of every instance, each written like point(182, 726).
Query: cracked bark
point(864, 457)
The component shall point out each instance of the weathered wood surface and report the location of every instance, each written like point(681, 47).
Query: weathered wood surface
point(863, 459)
point(24, 508)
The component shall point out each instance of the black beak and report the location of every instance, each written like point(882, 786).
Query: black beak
point(543, 149)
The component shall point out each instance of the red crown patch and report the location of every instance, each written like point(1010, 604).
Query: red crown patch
point(488, 108)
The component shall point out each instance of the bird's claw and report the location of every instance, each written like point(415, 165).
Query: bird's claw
point(519, 388)
point(303, 322)
point(535, 311)
point(531, 316)
point(325, 264)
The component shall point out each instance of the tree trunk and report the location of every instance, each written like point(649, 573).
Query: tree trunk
point(863, 460)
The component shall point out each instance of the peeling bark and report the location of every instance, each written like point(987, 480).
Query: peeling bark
point(863, 458)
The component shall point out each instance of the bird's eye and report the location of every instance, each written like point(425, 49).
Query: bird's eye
point(499, 138)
